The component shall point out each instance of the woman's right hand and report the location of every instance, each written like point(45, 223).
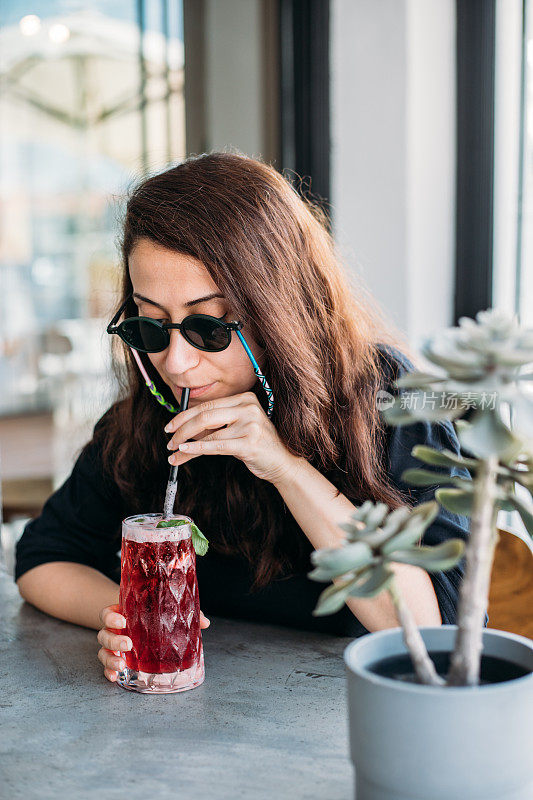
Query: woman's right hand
point(113, 642)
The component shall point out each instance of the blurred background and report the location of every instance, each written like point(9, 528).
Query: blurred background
point(410, 120)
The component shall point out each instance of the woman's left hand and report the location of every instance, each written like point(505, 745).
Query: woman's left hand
point(241, 429)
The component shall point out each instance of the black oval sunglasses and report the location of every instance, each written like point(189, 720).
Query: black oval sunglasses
point(148, 335)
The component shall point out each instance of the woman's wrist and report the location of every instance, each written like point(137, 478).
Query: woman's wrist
point(289, 472)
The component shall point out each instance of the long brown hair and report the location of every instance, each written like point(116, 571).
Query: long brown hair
point(269, 251)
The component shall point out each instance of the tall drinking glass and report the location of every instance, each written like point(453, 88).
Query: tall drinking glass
point(160, 601)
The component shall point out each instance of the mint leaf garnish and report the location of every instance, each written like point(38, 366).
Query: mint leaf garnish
point(199, 542)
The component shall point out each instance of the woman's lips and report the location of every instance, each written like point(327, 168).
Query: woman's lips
point(199, 391)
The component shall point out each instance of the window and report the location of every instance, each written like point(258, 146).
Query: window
point(91, 98)
point(513, 161)
point(513, 174)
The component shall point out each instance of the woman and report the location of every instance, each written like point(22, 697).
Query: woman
point(273, 465)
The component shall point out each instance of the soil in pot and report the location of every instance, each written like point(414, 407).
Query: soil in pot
point(492, 669)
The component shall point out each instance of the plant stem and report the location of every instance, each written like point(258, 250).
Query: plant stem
point(424, 666)
point(474, 592)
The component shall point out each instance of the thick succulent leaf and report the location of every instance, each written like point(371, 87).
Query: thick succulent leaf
point(339, 560)
point(424, 477)
point(433, 559)
point(395, 520)
point(374, 538)
point(376, 515)
point(463, 483)
point(392, 522)
point(374, 583)
point(371, 516)
point(523, 477)
point(441, 458)
point(362, 510)
point(406, 538)
point(396, 416)
point(424, 405)
point(525, 510)
point(505, 504)
point(442, 351)
point(350, 528)
point(354, 528)
point(488, 436)
point(461, 501)
point(412, 530)
point(426, 511)
point(332, 598)
point(320, 574)
point(456, 500)
point(525, 376)
point(412, 380)
point(512, 358)
point(461, 425)
point(465, 373)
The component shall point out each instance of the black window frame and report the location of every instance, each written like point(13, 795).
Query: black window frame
point(475, 85)
point(304, 92)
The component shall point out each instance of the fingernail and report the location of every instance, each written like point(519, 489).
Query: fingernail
point(168, 428)
point(170, 446)
point(124, 645)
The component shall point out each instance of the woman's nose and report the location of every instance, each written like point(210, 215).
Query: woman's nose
point(180, 355)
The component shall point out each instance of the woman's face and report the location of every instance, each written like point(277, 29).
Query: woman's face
point(175, 283)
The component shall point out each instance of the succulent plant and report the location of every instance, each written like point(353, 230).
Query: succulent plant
point(481, 361)
point(375, 538)
point(480, 364)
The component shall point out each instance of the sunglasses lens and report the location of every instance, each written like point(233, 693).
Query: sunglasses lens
point(206, 334)
point(143, 335)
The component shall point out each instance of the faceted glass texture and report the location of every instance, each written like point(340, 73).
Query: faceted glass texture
point(160, 602)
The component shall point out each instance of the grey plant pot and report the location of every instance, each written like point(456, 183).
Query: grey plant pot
point(409, 741)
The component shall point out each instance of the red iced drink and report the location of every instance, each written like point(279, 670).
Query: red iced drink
point(160, 602)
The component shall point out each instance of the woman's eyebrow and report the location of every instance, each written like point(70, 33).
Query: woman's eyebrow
point(188, 304)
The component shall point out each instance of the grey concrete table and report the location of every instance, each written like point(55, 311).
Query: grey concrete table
point(269, 721)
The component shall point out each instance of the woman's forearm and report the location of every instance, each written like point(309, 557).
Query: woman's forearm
point(72, 592)
point(319, 509)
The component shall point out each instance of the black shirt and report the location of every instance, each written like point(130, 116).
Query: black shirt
point(81, 523)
